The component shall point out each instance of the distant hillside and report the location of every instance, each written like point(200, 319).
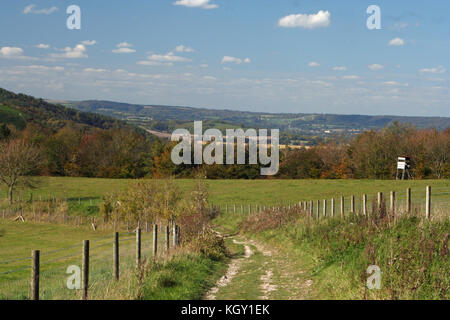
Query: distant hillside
point(163, 118)
point(19, 109)
point(12, 116)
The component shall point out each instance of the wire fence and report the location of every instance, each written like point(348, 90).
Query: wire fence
point(15, 279)
point(15, 272)
point(439, 202)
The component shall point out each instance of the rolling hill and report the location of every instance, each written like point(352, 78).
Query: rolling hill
point(296, 128)
point(20, 109)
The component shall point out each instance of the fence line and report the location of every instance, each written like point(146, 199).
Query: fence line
point(87, 263)
point(396, 201)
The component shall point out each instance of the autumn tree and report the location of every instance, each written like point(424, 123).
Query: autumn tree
point(18, 159)
point(438, 152)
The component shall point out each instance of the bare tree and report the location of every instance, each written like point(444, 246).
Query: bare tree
point(18, 159)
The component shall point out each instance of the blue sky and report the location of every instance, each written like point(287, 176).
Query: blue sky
point(256, 55)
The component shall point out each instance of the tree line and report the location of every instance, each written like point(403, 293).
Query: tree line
point(124, 153)
point(373, 155)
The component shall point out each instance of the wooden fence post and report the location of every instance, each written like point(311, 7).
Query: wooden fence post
point(364, 199)
point(85, 269)
point(408, 200)
point(35, 274)
point(167, 239)
point(332, 207)
point(138, 247)
point(352, 204)
point(318, 209)
point(311, 208)
point(342, 206)
point(324, 207)
point(155, 240)
point(379, 200)
point(428, 203)
point(174, 235)
point(392, 203)
point(234, 208)
point(116, 256)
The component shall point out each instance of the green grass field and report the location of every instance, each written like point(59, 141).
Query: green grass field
point(17, 239)
point(85, 194)
point(61, 247)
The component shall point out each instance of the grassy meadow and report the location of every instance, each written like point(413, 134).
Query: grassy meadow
point(85, 194)
point(61, 245)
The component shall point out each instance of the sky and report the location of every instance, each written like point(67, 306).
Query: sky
point(293, 56)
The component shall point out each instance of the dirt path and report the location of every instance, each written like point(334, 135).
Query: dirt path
point(233, 269)
point(260, 273)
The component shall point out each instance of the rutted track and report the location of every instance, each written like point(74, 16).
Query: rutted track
point(261, 273)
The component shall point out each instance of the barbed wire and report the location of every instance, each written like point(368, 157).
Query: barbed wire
point(15, 260)
point(15, 270)
point(60, 258)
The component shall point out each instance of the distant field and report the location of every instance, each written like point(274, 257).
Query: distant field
point(84, 194)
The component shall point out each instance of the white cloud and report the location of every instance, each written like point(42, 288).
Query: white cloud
point(314, 64)
point(395, 84)
point(228, 59)
point(340, 68)
point(204, 65)
point(436, 70)
point(169, 57)
point(205, 4)
point(124, 47)
point(94, 70)
point(88, 42)
point(33, 10)
point(13, 53)
point(124, 50)
point(211, 78)
point(77, 52)
point(37, 68)
point(375, 67)
point(397, 42)
point(154, 63)
point(308, 21)
point(182, 48)
point(43, 46)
